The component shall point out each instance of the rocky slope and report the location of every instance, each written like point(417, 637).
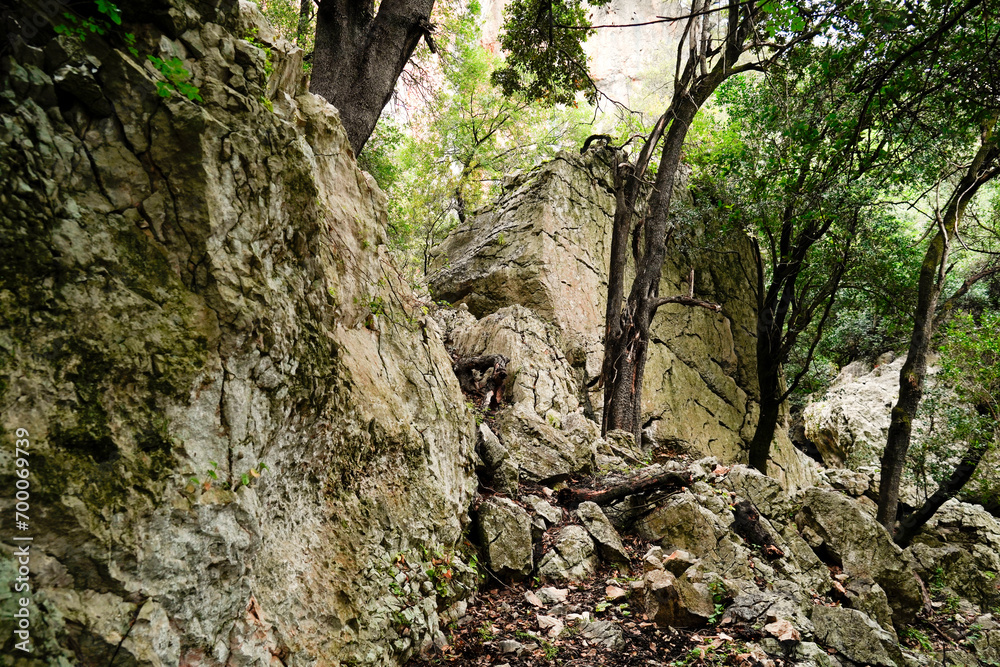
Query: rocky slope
point(191, 292)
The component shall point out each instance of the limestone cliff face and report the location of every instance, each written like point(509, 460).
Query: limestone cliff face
point(192, 290)
point(546, 244)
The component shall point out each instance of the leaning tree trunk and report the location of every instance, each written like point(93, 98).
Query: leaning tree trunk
point(948, 489)
point(914, 370)
point(626, 347)
point(359, 55)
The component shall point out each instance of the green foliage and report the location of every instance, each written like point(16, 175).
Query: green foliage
point(962, 408)
point(176, 76)
point(914, 636)
point(82, 26)
point(379, 155)
point(719, 597)
point(545, 61)
point(460, 144)
point(285, 16)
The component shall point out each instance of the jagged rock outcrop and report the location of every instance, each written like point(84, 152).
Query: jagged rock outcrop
point(849, 424)
point(540, 422)
point(191, 290)
point(544, 245)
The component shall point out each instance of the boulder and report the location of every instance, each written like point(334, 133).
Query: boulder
point(505, 535)
point(674, 602)
point(499, 473)
point(538, 373)
point(852, 482)
point(759, 608)
point(683, 523)
point(765, 493)
point(605, 633)
point(849, 536)
point(553, 515)
point(856, 636)
point(866, 596)
point(609, 543)
point(572, 557)
point(850, 423)
point(543, 453)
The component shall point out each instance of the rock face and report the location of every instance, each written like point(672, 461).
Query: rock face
point(545, 245)
point(834, 524)
point(202, 287)
point(850, 423)
point(541, 423)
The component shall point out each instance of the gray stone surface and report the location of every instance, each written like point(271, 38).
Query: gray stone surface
point(573, 557)
point(505, 534)
point(856, 636)
point(862, 546)
point(544, 245)
point(185, 283)
point(609, 543)
point(500, 472)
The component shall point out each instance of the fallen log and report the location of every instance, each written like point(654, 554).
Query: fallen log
point(643, 482)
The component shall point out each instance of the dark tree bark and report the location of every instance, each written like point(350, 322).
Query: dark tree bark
point(782, 316)
point(359, 55)
point(627, 325)
point(929, 285)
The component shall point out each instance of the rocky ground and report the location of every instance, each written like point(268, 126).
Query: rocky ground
point(806, 579)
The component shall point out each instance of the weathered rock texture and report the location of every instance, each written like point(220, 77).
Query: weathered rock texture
point(850, 423)
point(545, 246)
point(186, 283)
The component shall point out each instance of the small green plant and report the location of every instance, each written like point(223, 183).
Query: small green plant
point(526, 636)
point(501, 240)
point(919, 638)
point(718, 590)
point(81, 28)
point(268, 54)
point(485, 632)
point(937, 580)
point(601, 606)
point(377, 305)
point(267, 103)
point(176, 76)
point(551, 650)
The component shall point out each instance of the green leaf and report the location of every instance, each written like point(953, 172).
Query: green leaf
point(246, 479)
point(110, 10)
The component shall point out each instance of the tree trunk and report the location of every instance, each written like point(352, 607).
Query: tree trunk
point(305, 16)
point(359, 55)
point(625, 352)
point(914, 370)
point(912, 523)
